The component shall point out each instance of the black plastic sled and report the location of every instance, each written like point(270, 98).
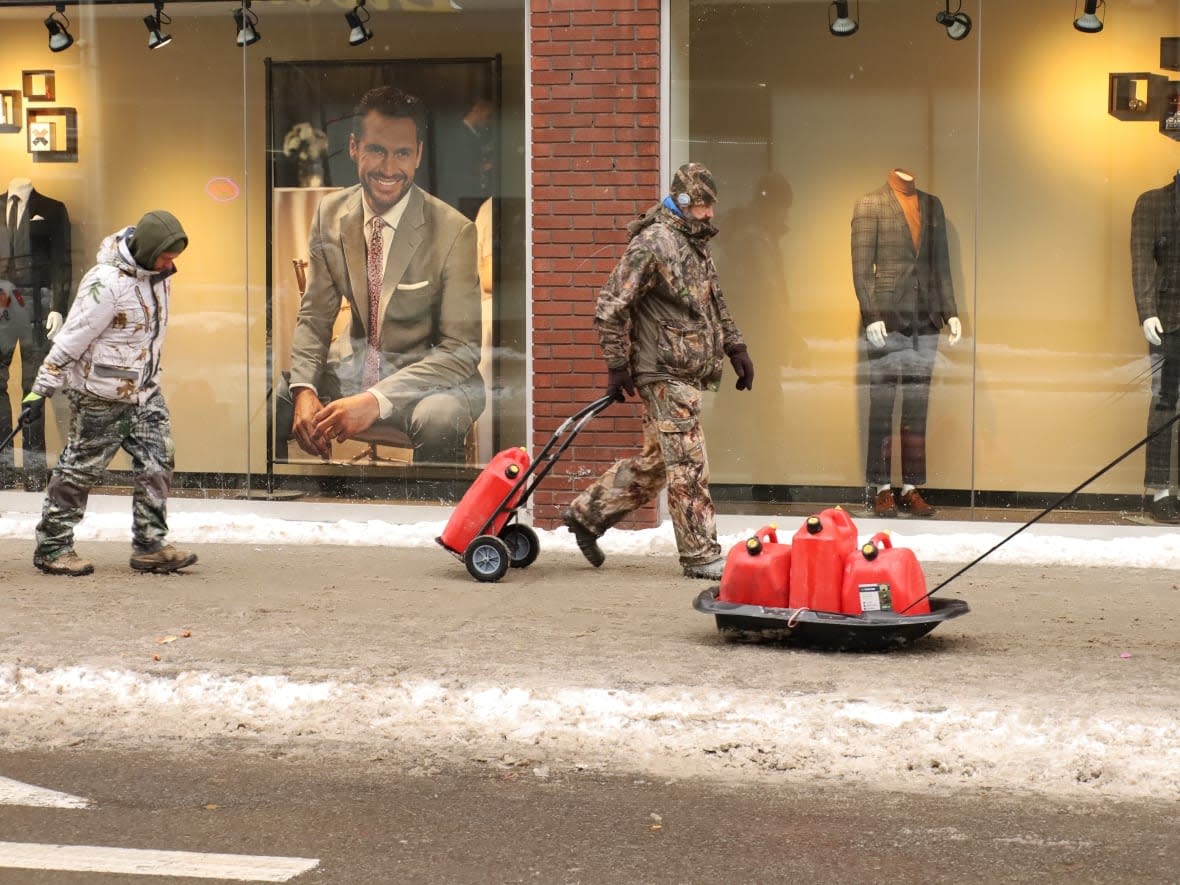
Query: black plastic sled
point(871, 631)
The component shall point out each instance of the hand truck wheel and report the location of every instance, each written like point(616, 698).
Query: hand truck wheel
point(486, 558)
point(523, 544)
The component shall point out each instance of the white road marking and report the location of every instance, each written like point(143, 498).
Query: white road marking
point(143, 862)
point(15, 793)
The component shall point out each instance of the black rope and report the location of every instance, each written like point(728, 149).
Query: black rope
point(1048, 509)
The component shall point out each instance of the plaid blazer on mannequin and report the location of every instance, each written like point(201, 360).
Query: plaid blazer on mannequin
point(894, 281)
point(1155, 256)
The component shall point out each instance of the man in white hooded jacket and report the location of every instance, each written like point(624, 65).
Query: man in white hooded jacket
point(108, 357)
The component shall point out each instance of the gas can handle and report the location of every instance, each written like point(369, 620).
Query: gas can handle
point(839, 514)
point(881, 541)
point(767, 534)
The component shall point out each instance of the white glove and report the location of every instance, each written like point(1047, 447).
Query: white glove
point(875, 332)
point(53, 324)
point(1153, 329)
point(956, 331)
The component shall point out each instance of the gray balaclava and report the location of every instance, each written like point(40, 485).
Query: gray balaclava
point(157, 232)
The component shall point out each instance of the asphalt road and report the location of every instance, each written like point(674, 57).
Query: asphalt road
point(369, 825)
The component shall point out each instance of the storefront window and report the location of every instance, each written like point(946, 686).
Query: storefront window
point(1011, 363)
point(243, 125)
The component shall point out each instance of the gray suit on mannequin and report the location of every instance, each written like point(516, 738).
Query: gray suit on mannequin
point(901, 272)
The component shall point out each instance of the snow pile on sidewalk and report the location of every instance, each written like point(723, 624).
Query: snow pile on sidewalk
point(676, 731)
point(1042, 546)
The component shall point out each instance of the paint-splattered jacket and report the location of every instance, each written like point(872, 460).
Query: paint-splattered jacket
point(661, 311)
point(111, 342)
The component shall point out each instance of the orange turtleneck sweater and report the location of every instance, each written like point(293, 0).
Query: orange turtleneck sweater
point(907, 195)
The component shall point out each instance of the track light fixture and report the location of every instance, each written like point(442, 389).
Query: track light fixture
point(356, 22)
point(842, 25)
point(154, 24)
point(1089, 22)
point(957, 23)
point(246, 22)
point(57, 25)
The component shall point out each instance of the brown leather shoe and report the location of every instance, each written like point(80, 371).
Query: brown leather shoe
point(883, 505)
point(911, 502)
point(166, 559)
point(68, 563)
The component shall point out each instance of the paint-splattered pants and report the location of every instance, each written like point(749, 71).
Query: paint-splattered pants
point(98, 429)
point(673, 455)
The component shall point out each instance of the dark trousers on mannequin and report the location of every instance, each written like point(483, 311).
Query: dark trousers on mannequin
point(901, 369)
point(1165, 390)
point(18, 331)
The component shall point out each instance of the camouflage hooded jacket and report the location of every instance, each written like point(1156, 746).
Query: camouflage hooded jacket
point(111, 342)
point(661, 311)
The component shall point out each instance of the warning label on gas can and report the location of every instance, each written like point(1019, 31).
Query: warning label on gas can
point(875, 598)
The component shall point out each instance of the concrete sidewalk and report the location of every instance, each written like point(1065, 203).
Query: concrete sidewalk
point(302, 510)
point(1062, 680)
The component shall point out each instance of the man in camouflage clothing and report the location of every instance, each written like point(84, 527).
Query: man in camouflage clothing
point(108, 354)
point(665, 329)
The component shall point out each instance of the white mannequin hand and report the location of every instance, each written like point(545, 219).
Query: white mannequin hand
point(956, 329)
point(1153, 329)
point(875, 332)
point(53, 324)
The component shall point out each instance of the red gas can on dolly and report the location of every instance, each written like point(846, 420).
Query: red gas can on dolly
point(819, 551)
point(881, 577)
point(758, 571)
point(481, 500)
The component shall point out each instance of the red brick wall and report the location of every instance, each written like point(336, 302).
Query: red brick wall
point(595, 81)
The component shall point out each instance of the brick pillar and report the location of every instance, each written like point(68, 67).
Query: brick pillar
point(596, 160)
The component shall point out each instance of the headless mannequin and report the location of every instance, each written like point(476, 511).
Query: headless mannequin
point(1159, 227)
point(22, 187)
point(1152, 327)
point(905, 190)
point(35, 262)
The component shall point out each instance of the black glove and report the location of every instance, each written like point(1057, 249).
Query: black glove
point(743, 365)
point(32, 407)
point(619, 381)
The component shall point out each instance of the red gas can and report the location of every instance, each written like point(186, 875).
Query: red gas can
point(818, 553)
point(881, 577)
point(480, 501)
point(758, 571)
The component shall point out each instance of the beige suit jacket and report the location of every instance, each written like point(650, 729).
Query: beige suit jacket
point(431, 327)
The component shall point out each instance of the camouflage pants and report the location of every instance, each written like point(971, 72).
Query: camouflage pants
point(673, 455)
point(98, 429)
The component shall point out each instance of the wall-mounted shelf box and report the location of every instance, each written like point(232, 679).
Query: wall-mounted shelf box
point(1138, 96)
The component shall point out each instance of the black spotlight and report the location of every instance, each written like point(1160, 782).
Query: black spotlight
point(842, 25)
point(57, 24)
point(247, 24)
point(357, 19)
point(957, 23)
point(1089, 22)
point(154, 24)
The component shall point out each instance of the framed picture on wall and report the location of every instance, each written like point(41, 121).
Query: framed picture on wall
point(423, 153)
point(41, 137)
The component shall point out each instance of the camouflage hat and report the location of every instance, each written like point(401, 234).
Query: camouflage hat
point(693, 184)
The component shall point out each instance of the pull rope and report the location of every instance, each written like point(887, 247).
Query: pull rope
point(1048, 510)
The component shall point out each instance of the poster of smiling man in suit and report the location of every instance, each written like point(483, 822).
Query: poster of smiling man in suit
point(407, 265)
